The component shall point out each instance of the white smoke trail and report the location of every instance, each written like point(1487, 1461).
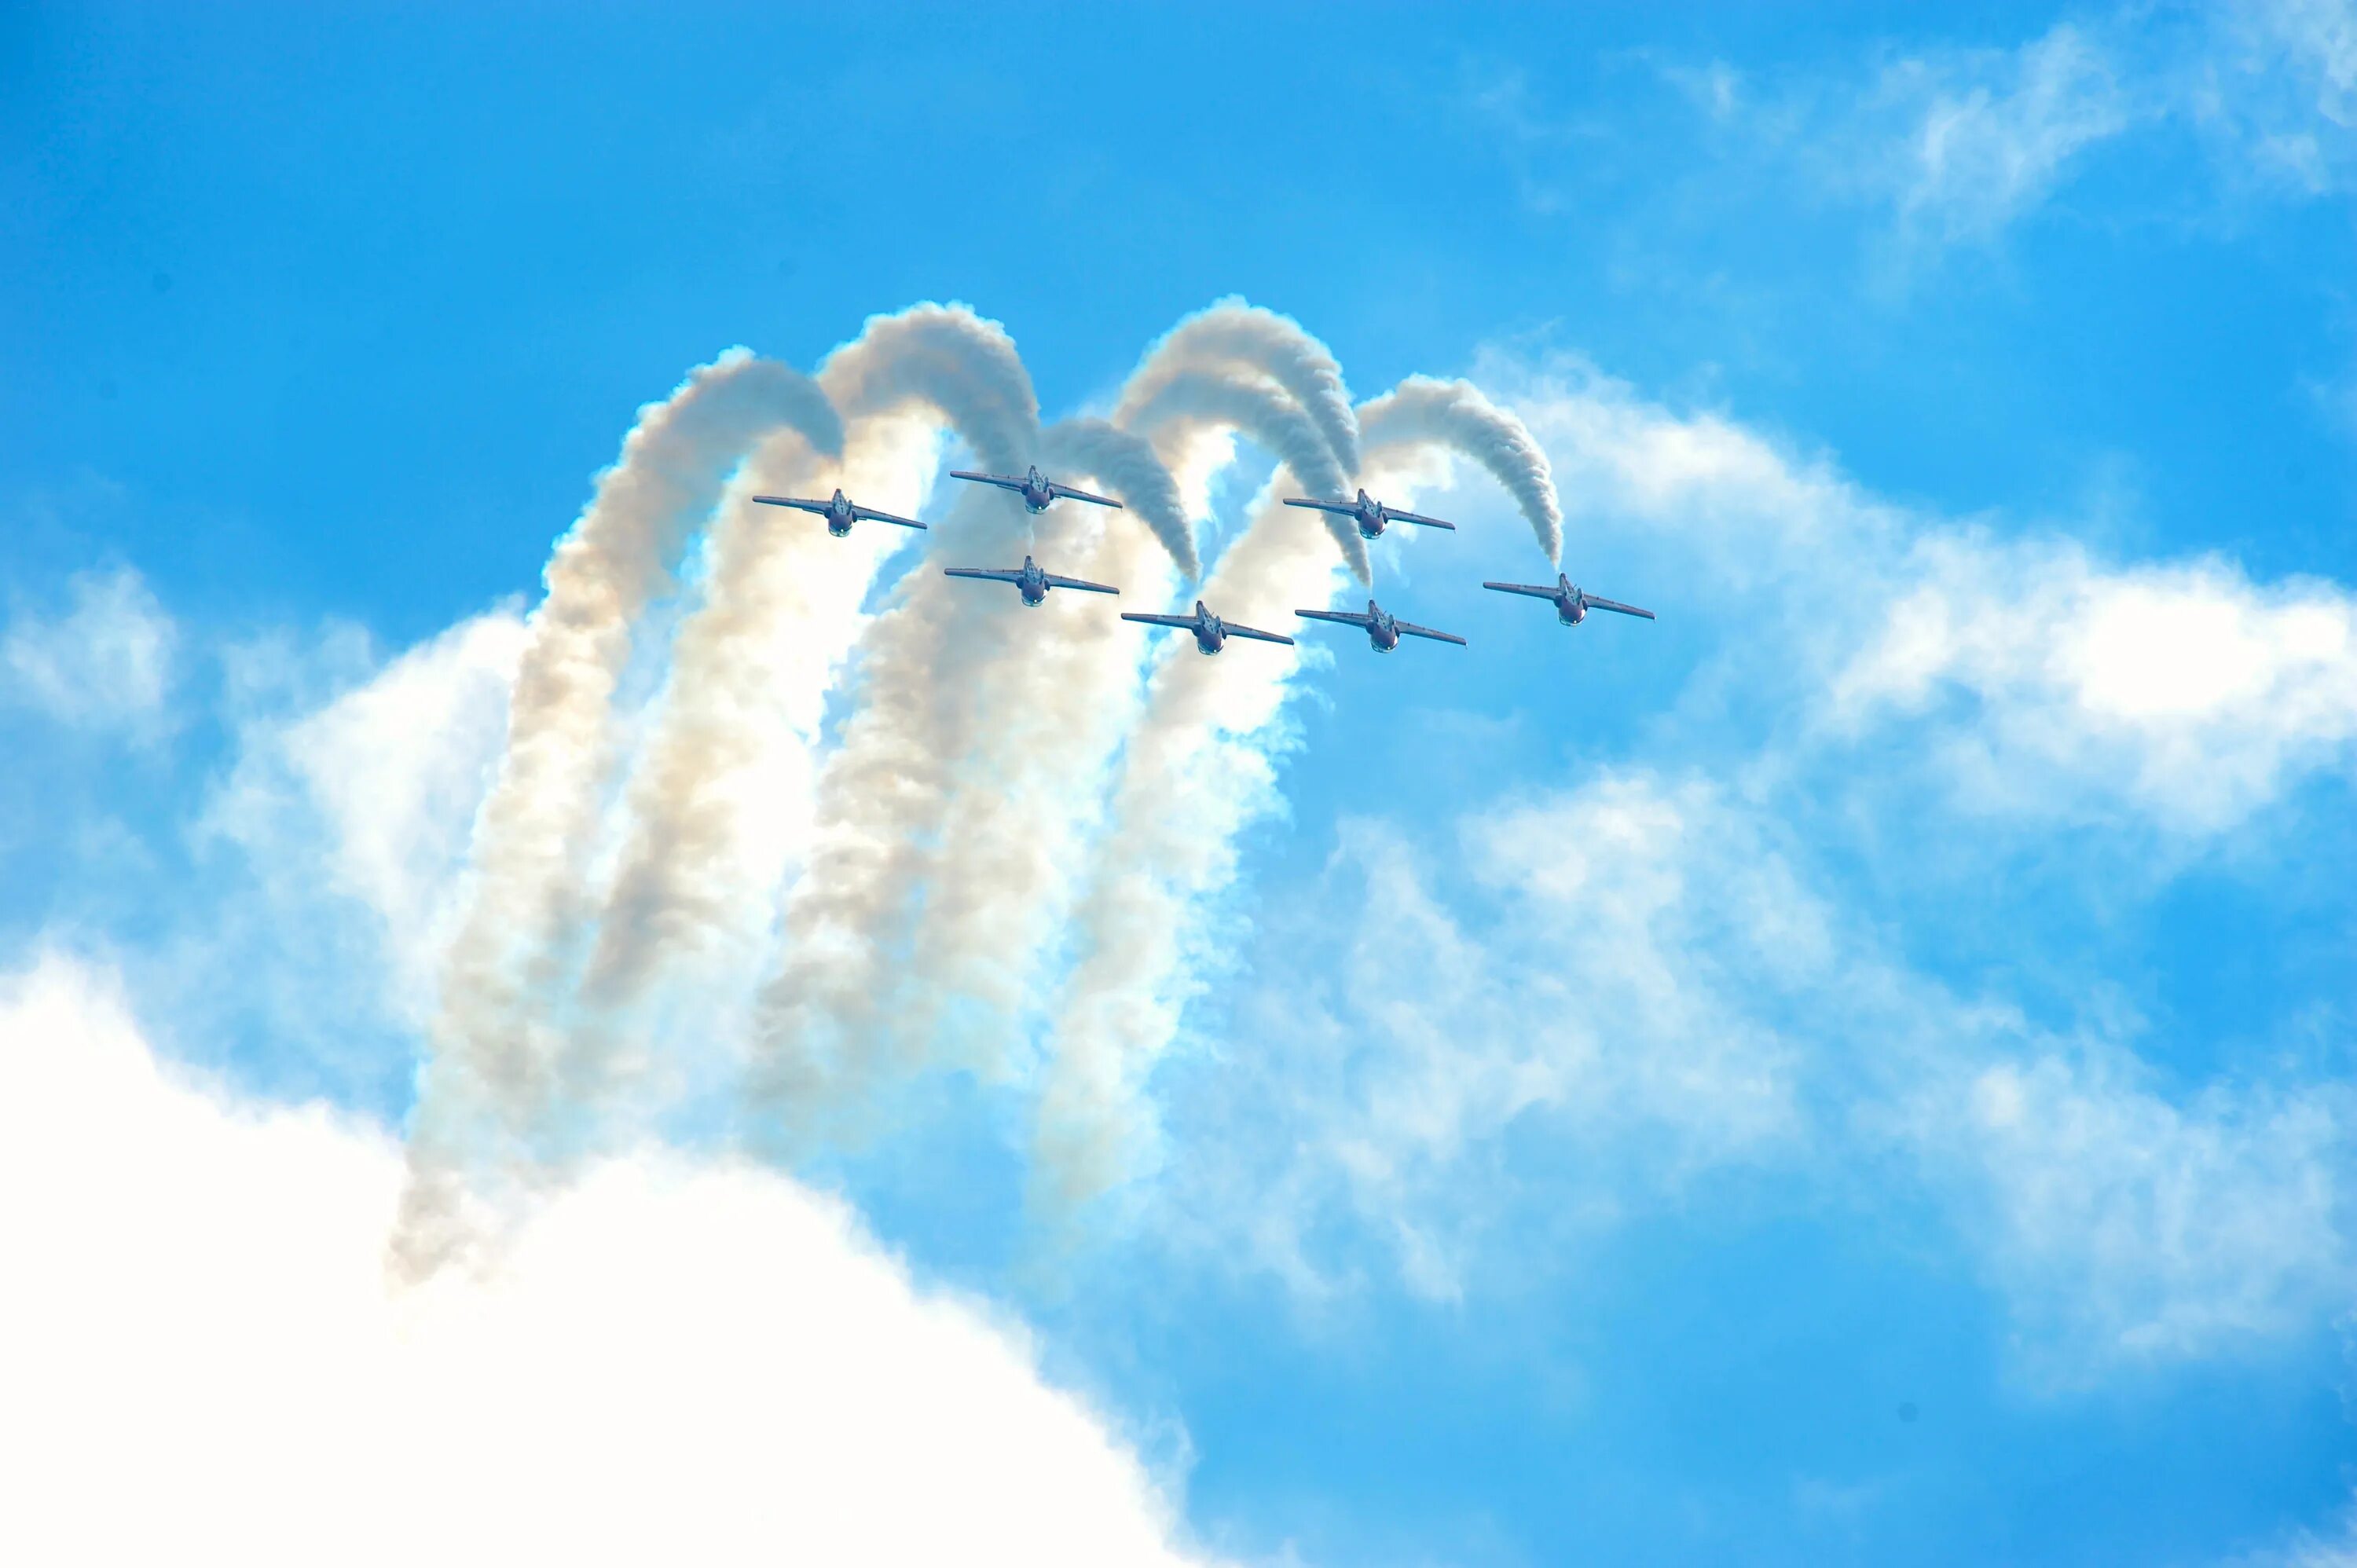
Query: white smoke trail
point(1216, 368)
point(1422, 411)
point(720, 806)
point(745, 694)
point(1019, 817)
point(881, 795)
point(489, 1064)
point(1232, 335)
point(995, 873)
point(945, 832)
point(1127, 464)
point(727, 797)
point(1201, 765)
point(1197, 772)
point(1269, 416)
point(947, 357)
point(1011, 850)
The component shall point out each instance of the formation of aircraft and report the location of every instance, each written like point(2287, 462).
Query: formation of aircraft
point(1028, 580)
point(1210, 632)
point(1384, 628)
point(1038, 490)
point(1370, 514)
point(1571, 605)
point(840, 513)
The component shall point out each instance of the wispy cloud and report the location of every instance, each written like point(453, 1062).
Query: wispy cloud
point(1712, 993)
point(105, 663)
point(1644, 979)
point(1971, 141)
point(2184, 689)
point(1646, 987)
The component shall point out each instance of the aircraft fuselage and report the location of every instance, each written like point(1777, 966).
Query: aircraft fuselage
point(1033, 583)
point(1036, 492)
point(1570, 604)
point(839, 516)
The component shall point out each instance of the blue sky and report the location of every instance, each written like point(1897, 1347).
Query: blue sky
point(1629, 1066)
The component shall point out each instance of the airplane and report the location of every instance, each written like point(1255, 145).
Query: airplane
point(1038, 490)
point(1031, 582)
point(1370, 514)
point(1571, 605)
point(840, 513)
point(1210, 632)
point(1383, 628)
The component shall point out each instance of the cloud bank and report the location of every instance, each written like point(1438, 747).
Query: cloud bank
point(671, 1361)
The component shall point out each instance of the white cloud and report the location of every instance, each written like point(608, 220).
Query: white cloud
point(1983, 136)
point(1561, 991)
point(2128, 1226)
point(2276, 80)
point(364, 800)
point(1643, 984)
point(2040, 678)
point(104, 664)
point(2183, 689)
point(669, 1363)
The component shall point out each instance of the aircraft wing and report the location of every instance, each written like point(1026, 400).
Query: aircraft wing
point(1340, 618)
point(1187, 621)
point(1427, 632)
point(1011, 577)
point(869, 514)
point(1419, 518)
point(1532, 589)
point(1345, 508)
point(1233, 630)
point(795, 501)
point(1001, 480)
point(1070, 494)
point(1056, 582)
point(1594, 604)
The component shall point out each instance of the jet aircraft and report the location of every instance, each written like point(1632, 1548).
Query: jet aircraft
point(840, 513)
point(1370, 514)
point(1038, 490)
point(1028, 580)
point(1571, 605)
point(1210, 632)
point(1384, 628)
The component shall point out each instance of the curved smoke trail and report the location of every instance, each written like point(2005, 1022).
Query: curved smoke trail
point(946, 357)
point(1422, 411)
point(1196, 772)
point(1127, 464)
point(1232, 335)
point(882, 795)
point(488, 1067)
point(1199, 769)
point(745, 701)
point(997, 871)
point(1015, 839)
point(1198, 399)
point(1195, 401)
point(720, 805)
point(1020, 818)
point(972, 792)
point(1216, 369)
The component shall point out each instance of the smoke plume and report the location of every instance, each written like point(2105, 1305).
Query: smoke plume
point(490, 1062)
point(873, 841)
point(1455, 415)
